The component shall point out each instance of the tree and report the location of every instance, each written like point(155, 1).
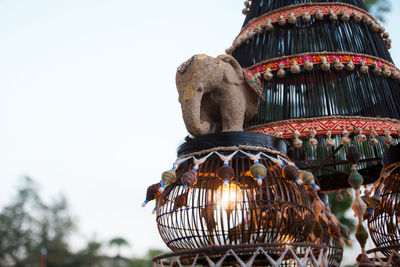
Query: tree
point(118, 242)
point(28, 224)
point(378, 8)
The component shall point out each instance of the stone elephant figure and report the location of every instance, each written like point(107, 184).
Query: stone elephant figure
point(216, 90)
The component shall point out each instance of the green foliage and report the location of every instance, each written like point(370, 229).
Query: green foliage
point(28, 224)
point(378, 8)
point(340, 208)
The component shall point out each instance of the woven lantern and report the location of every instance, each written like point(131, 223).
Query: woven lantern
point(384, 224)
point(238, 211)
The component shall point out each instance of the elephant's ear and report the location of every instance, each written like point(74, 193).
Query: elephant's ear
point(232, 61)
point(254, 83)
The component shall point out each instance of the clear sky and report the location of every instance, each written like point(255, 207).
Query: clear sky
point(88, 105)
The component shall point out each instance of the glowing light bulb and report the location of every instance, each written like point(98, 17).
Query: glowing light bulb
point(228, 195)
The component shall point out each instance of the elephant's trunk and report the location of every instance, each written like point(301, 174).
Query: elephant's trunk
point(195, 124)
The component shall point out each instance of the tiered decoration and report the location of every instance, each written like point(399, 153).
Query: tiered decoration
point(325, 71)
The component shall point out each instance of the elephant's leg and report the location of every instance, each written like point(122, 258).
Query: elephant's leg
point(233, 107)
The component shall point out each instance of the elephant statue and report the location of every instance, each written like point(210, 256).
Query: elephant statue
point(216, 90)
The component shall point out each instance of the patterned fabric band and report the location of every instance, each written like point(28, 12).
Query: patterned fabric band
point(335, 124)
point(318, 57)
point(311, 9)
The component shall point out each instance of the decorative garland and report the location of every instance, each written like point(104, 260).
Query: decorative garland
point(332, 124)
point(258, 171)
point(338, 59)
point(289, 14)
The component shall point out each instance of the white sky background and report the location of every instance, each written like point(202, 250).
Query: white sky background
point(88, 105)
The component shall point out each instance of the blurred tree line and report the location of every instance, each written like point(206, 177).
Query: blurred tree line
point(378, 8)
point(32, 230)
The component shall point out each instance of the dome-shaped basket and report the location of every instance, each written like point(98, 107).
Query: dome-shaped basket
point(240, 211)
point(384, 224)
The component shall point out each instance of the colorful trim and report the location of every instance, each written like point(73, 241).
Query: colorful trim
point(185, 65)
point(315, 58)
point(253, 82)
point(324, 124)
point(298, 10)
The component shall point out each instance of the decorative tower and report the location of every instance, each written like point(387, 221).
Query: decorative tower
point(304, 101)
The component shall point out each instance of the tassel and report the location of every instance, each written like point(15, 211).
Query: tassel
point(295, 68)
point(257, 75)
point(297, 142)
point(290, 172)
point(244, 11)
point(308, 65)
point(357, 18)
point(281, 20)
point(281, 72)
point(386, 72)
point(268, 25)
point(268, 76)
point(319, 15)
point(376, 70)
point(338, 65)
point(381, 29)
point(350, 65)
point(361, 137)
point(189, 179)
point(152, 193)
point(330, 142)
point(332, 15)
point(247, 4)
point(395, 74)
point(225, 172)
point(373, 141)
point(385, 35)
point(375, 27)
point(258, 171)
point(313, 141)
point(229, 50)
point(259, 29)
point(325, 65)
point(388, 140)
point(167, 178)
point(353, 155)
point(292, 18)
point(345, 139)
point(367, 20)
point(345, 17)
point(363, 68)
point(306, 16)
point(308, 179)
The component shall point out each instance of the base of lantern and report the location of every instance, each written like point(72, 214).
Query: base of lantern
point(267, 254)
point(232, 139)
point(384, 256)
